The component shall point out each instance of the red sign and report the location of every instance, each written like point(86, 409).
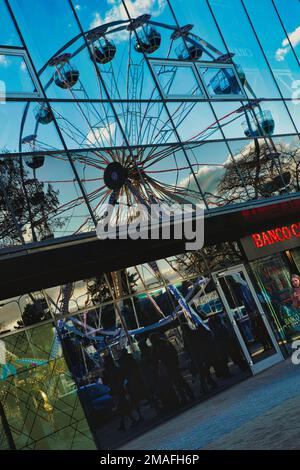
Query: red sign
point(276, 235)
point(274, 240)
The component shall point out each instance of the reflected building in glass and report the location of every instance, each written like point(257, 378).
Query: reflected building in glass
point(192, 102)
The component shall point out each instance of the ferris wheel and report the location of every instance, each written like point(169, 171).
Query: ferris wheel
point(122, 143)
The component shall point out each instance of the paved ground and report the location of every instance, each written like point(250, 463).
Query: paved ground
point(263, 412)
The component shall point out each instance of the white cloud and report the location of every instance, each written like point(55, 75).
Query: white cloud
point(4, 62)
point(281, 53)
point(78, 7)
point(23, 66)
point(102, 134)
point(294, 39)
point(135, 8)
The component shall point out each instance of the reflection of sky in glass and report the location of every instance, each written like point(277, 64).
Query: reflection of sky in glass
point(8, 34)
point(15, 74)
point(98, 125)
point(290, 18)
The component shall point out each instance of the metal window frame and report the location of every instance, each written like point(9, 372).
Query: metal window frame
point(183, 64)
point(216, 65)
point(7, 51)
point(268, 361)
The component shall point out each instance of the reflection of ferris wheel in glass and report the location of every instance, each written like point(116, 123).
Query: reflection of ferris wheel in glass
point(123, 140)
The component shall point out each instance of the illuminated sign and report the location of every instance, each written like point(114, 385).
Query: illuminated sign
point(276, 235)
point(274, 240)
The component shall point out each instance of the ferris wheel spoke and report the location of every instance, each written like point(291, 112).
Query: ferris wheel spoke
point(70, 129)
point(159, 155)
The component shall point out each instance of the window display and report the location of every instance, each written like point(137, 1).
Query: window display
point(274, 279)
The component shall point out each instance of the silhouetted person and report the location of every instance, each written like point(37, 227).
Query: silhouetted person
point(221, 338)
point(200, 345)
point(165, 358)
point(133, 379)
point(260, 332)
point(113, 377)
point(148, 374)
point(234, 348)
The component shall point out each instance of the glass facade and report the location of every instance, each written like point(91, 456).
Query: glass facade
point(79, 97)
point(106, 103)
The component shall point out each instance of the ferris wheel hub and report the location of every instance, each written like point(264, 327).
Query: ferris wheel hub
point(115, 175)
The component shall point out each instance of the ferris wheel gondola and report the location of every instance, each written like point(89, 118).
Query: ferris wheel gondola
point(66, 76)
point(103, 50)
point(261, 124)
point(43, 114)
point(224, 82)
point(149, 40)
point(35, 160)
point(189, 52)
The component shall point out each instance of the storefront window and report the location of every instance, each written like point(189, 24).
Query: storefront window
point(38, 395)
point(273, 276)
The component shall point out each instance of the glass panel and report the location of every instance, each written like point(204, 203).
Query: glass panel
point(273, 277)
point(23, 311)
point(261, 168)
point(126, 78)
point(221, 81)
point(271, 35)
point(294, 107)
point(289, 155)
point(247, 316)
point(267, 119)
point(231, 118)
point(194, 121)
point(237, 32)
point(44, 204)
point(217, 173)
point(197, 14)
point(38, 393)
point(145, 123)
point(85, 125)
point(72, 75)
point(19, 120)
point(153, 39)
point(43, 42)
point(290, 18)
point(176, 80)
point(8, 33)
point(15, 74)
point(283, 123)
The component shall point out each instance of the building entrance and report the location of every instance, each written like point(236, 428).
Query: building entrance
point(248, 318)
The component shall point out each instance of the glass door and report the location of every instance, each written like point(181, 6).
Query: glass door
point(248, 318)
